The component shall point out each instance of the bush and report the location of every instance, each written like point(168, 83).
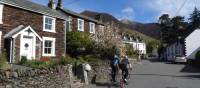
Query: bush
point(197, 60)
point(23, 60)
point(130, 51)
point(79, 43)
point(67, 60)
point(3, 60)
point(36, 64)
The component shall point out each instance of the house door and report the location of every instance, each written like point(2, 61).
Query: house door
point(27, 47)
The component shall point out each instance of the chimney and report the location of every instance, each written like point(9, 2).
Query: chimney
point(59, 5)
point(51, 4)
point(99, 17)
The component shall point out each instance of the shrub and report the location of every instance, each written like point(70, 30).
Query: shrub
point(23, 60)
point(67, 60)
point(130, 51)
point(79, 43)
point(3, 59)
point(36, 64)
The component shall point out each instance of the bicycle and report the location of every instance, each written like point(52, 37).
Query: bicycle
point(123, 82)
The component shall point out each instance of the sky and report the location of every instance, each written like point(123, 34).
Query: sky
point(144, 11)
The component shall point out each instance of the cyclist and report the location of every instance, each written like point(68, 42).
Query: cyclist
point(114, 65)
point(124, 67)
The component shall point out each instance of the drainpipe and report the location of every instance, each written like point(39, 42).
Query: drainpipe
point(11, 49)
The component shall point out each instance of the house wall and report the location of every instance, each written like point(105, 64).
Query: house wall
point(13, 17)
point(192, 44)
point(138, 46)
point(74, 24)
point(173, 50)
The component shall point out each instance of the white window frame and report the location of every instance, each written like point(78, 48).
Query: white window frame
point(53, 46)
point(0, 41)
point(81, 25)
point(92, 28)
point(1, 13)
point(53, 24)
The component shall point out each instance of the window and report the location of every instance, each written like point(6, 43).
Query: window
point(92, 28)
point(49, 24)
point(68, 24)
point(48, 46)
point(80, 25)
point(0, 41)
point(1, 13)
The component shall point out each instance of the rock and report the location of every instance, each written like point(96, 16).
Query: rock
point(7, 73)
point(15, 74)
point(8, 86)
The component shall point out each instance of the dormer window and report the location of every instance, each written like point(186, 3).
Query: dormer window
point(80, 25)
point(49, 24)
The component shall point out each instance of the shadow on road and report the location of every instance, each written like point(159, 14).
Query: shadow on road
point(108, 85)
point(178, 76)
point(190, 69)
point(155, 60)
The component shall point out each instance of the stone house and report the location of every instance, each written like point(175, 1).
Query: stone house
point(35, 31)
point(79, 22)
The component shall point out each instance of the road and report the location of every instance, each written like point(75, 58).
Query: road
point(155, 74)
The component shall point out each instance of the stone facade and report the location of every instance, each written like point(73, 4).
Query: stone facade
point(74, 24)
point(13, 17)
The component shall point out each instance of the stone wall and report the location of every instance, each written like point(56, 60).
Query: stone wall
point(57, 77)
point(99, 73)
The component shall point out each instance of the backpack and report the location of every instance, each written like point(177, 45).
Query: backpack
point(114, 61)
point(125, 62)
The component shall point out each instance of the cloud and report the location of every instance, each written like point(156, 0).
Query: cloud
point(128, 13)
point(172, 7)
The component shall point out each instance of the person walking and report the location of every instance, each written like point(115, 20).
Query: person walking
point(124, 67)
point(114, 66)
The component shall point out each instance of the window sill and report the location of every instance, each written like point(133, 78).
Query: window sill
point(49, 55)
point(49, 31)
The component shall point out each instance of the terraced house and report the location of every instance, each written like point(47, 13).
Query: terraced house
point(35, 31)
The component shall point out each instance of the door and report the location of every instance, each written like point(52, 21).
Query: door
point(27, 47)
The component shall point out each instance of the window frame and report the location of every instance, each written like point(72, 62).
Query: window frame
point(92, 27)
point(1, 13)
point(53, 24)
point(53, 46)
point(81, 25)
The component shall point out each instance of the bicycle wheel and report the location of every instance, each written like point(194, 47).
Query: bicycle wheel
point(122, 84)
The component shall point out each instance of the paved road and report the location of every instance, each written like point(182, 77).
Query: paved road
point(154, 74)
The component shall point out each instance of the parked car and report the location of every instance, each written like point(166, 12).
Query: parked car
point(180, 59)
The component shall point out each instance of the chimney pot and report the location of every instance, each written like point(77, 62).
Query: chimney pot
point(59, 5)
point(51, 4)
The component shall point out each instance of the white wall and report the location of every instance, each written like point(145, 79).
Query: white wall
point(138, 46)
point(192, 43)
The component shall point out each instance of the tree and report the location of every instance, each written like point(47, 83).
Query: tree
point(108, 41)
point(165, 24)
point(78, 43)
point(195, 18)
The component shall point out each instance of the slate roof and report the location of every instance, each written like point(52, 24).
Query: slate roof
point(80, 15)
point(14, 31)
point(34, 7)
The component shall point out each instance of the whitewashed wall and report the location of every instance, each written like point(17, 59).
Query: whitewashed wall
point(138, 46)
point(192, 43)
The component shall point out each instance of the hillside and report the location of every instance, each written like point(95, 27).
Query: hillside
point(146, 31)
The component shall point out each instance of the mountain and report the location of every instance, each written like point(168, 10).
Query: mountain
point(151, 30)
